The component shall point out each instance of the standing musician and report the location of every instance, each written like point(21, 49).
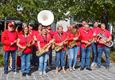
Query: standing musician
point(60, 41)
point(25, 42)
point(73, 46)
point(95, 31)
point(43, 39)
point(106, 37)
point(9, 38)
point(86, 40)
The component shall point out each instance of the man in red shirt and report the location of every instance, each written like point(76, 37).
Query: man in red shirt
point(60, 40)
point(86, 39)
point(9, 38)
point(95, 31)
point(25, 42)
point(105, 38)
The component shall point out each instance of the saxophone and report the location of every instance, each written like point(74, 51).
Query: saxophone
point(72, 44)
point(90, 41)
point(58, 48)
point(44, 49)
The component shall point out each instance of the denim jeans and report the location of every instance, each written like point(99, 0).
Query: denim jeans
point(6, 58)
point(85, 57)
point(60, 58)
point(106, 50)
point(43, 62)
point(25, 63)
point(72, 55)
point(94, 49)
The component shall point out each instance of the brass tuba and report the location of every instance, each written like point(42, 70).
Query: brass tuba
point(45, 17)
point(108, 44)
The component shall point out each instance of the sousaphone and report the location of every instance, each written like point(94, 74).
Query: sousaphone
point(45, 17)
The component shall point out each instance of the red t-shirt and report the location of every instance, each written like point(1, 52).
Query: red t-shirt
point(7, 38)
point(60, 38)
point(24, 41)
point(106, 33)
point(85, 35)
point(43, 39)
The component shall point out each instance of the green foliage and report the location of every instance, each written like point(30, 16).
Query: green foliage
point(82, 9)
point(1, 60)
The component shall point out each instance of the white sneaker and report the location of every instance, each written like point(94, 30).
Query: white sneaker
point(40, 73)
point(92, 64)
point(73, 68)
point(44, 73)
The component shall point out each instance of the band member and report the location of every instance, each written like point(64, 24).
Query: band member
point(86, 39)
point(73, 47)
point(106, 37)
point(9, 38)
point(95, 31)
point(49, 31)
point(43, 39)
point(60, 40)
point(24, 42)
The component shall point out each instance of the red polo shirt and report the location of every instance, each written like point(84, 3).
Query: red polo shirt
point(7, 38)
point(25, 40)
point(60, 38)
point(43, 39)
point(106, 33)
point(85, 35)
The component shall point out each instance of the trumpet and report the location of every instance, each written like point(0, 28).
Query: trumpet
point(108, 44)
point(44, 49)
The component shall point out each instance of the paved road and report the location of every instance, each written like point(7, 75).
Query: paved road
point(96, 74)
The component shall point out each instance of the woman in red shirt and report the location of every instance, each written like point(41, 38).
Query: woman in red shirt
point(60, 40)
point(73, 47)
point(43, 39)
point(24, 42)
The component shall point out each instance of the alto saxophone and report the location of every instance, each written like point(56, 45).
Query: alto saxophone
point(43, 50)
point(58, 48)
point(90, 41)
point(72, 44)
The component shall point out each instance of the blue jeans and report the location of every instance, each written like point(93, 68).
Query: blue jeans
point(85, 57)
point(6, 58)
point(25, 63)
point(106, 50)
point(72, 55)
point(94, 49)
point(43, 62)
point(60, 58)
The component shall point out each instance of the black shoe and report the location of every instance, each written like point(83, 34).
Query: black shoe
point(81, 69)
point(89, 69)
point(23, 74)
point(29, 74)
point(107, 66)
